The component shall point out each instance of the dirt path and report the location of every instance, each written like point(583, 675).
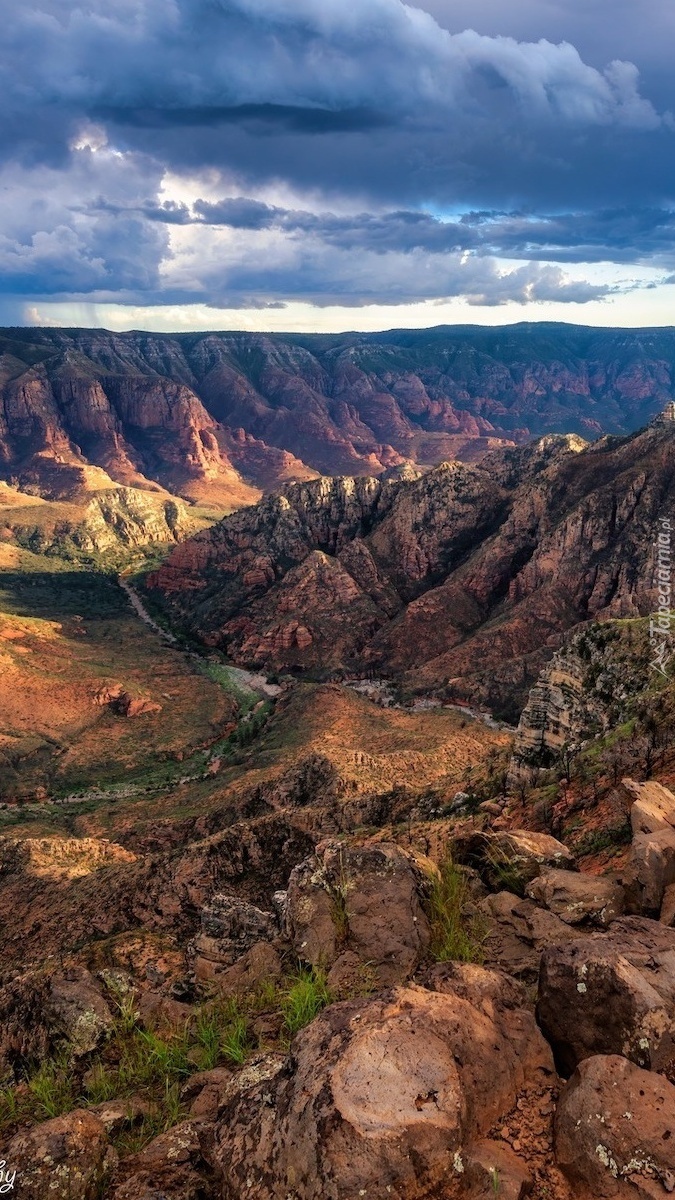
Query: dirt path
point(141, 611)
point(255, 682)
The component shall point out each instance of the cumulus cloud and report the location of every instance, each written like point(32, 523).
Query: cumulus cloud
point(376, 116)
point(56, 238)
point(379, 54)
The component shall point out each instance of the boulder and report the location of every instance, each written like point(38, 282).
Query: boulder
point(651, 869)
point(233, 947)
point(206, 1091)
point(77, 1011)
point(653, 808)
point(615, 1131)
point(134, 706)
point(366, 899)
point(576, 898)
point(24, 1033)
point(230, 926)
point(116, 1115)
point(510, 858)
point(493, 1172)
point(155, 1010)
point(68, 1158)
point(518, 932)
point(383, 1096)
point(652, 865)
point(667, 915)
point(177, 1165)
point(258, 965)
point(611, 993)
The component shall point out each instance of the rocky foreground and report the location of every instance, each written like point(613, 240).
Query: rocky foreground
point(497, 1023)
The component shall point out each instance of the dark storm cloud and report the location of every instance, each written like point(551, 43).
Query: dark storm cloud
point(399, 104)
point(622, 235)
point(372, 105)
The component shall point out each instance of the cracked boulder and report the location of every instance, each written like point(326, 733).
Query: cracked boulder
point(652, 860)
point(578, 899)
point(611, 993)
point(510, 858)
point(177, 1165)
point(367, 901)
point(386, 1096)
point(76, 1010)
point(518, 931)
point(615, 1131)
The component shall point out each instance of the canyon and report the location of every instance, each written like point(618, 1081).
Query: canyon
point(225, 416)
point(460, 581)
point(286, 910)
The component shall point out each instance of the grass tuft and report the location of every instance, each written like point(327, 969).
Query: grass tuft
point(305, 996)
point(455, 937)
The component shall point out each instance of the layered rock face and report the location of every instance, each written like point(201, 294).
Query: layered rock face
point(70, 425)
point(197, 409)
point(585, 689)
point(465, 578)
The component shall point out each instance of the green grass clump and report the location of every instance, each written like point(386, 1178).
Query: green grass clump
point(52, 1088)
point(303, 999)
point(455, 937)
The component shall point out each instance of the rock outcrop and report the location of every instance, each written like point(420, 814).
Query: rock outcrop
point(578, 899)
point(511, 858)
point(67, 1156)
point(365, 901)
point(382, 1097)
point(611, 993)
point(615, 1131)
point(652, 861)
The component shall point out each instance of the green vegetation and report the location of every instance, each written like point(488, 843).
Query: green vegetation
point(218, 673)
point(152, 1064)
point(304, 997)
point(455, 936)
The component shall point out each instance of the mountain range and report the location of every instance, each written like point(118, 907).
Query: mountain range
point(220, 418)
point(460, 580)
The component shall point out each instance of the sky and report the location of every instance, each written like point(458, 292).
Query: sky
point(336, 164)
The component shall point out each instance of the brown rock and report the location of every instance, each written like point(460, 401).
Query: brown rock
point(76, 1010)
point(68, 1158)
point(258, 965)
point(653, 865)
point(154, 1009)
point(348, 976)
point(510, 858)
point(177, 1165)
point(667, 915)
point(365, 899)
point(493, 1171)
point(206, 1092)
point(116, 1115)
point(611, 993)
point(518, 932)
point(380, 1097)
point(653, 808)
point(576, 898)
point(615, 1131)
point(230, 927)
point(135, 706)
